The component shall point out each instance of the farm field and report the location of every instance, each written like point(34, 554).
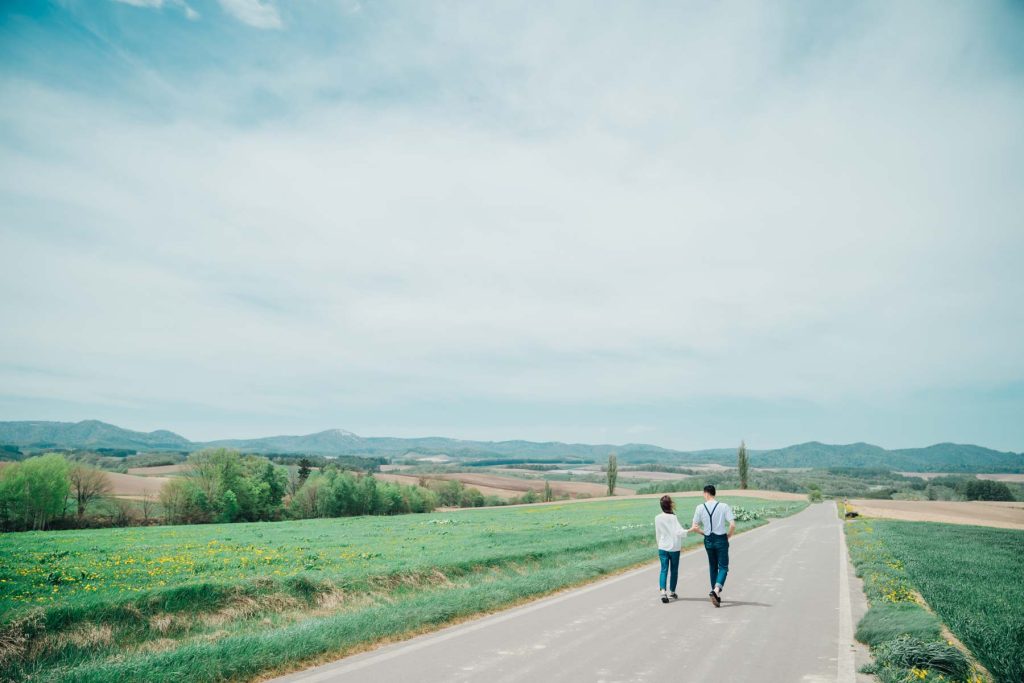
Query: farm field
point(1015, 478)
point(571, 488)
point(159, 470)
point(508, 487)
point(210, 602)
point(132, 486)
point(970, 577)
point(412, 479)
point(985, 513)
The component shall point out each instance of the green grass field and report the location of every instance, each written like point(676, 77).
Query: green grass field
point(216, 602)
point(970, 576)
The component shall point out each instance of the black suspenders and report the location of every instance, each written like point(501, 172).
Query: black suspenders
point(711, 517)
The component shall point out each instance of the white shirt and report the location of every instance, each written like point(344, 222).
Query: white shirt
point(717, 523)
point(669, 532)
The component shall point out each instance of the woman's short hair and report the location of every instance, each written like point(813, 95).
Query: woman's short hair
point(667, 504)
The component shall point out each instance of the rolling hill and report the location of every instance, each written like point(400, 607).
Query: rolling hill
point(92, 434)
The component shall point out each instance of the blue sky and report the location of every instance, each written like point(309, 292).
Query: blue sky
point(678, 223)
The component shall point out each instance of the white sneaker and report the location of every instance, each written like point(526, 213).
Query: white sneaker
point(664, 596)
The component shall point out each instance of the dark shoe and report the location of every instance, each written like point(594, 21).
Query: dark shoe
point(664, 597)
point(673, 595)
point(715, 600)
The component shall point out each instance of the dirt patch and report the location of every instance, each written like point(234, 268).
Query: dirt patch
point(648, 475)
point(506, 487)
point(982, 513)
point(131, 486)
point(569, 488)
point(159, 470)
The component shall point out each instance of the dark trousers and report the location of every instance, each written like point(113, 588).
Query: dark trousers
point(669, 560)
point(717, 547)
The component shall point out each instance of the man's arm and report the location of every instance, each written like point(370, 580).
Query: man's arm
point(732, 527)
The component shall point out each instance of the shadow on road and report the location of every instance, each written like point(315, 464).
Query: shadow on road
point(726, 603)
point(740, 603)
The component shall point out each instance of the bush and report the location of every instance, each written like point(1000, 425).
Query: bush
point(814, 493)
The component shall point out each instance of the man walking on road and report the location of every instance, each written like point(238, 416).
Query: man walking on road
point(710, 518)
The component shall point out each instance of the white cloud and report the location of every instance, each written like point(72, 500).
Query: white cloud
point(190, 13)
point(554, 221)
point(255, 13)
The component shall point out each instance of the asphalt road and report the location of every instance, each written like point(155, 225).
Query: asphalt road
point(785, 617)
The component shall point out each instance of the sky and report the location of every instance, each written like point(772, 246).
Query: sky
point(679, 223)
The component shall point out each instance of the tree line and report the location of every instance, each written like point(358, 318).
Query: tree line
point(219, 485)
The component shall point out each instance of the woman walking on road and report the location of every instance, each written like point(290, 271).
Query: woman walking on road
point(669, 533)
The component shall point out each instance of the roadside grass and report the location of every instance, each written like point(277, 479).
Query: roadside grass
point(886, 621)
point(970, 577)
point(217, 602)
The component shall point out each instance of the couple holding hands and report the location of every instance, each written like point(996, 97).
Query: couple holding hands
point(711, 518)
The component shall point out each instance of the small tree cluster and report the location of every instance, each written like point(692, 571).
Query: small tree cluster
point(335, 493)
point(33, 492)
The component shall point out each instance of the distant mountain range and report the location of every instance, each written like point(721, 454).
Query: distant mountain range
point(93, 434)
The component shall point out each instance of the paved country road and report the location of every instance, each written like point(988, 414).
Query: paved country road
point(786, 617)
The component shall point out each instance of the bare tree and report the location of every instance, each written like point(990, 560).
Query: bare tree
point(146, 504)
point(294, 481)
point(87, 484)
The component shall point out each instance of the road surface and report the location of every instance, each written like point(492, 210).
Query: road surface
point(786, 616)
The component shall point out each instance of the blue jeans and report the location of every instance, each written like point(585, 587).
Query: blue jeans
point(717, 547)
point(669, 559)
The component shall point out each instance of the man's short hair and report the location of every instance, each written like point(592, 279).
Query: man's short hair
point(709, 489)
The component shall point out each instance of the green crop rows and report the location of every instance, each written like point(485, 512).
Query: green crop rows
point(970, 576)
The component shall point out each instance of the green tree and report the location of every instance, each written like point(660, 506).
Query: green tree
point(366, 496)
point(612, 473)
point(471, 498)
point(450, 493)
point(814, 493)
point(313, 499)
point(229, 508)
point(305, 467)
point(184, 502)
point(984, 489)
point(548, 494)
point(743, 465)
point(33, 492)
